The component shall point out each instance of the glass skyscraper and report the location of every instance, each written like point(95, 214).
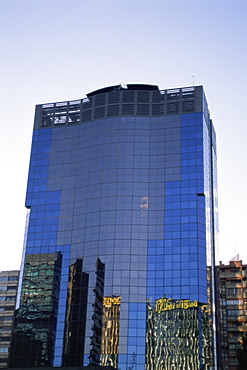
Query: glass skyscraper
point(119, 250)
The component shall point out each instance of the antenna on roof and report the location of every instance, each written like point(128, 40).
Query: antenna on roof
point(193, 80)
point(236, 257)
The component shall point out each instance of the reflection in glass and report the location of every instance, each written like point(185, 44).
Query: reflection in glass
point(76, 309)
point(110, 331)
point(98, 313)
point(176, 335)
point(144, 207)
point(35, 321)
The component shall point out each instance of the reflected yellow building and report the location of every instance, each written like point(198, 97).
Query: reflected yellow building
point(176, 335)
point(110, 331)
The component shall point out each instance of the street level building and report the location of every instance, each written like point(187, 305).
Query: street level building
point(8, 292)
point(121, 233)
point(232, 311)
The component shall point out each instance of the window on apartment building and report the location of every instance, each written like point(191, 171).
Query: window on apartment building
point(8, 278)
point(4, 349)
point(235, 312)
point(234, 346)
point(3, 278)
point(5, 339)
point(233, 290)
point(13, 278)
point(11, 289)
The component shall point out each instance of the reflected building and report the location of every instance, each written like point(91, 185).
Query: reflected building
point(122, 213)
point(75, 321)
point(34, 332)
point(110, 331)
point(96, 337)
point(177, 335)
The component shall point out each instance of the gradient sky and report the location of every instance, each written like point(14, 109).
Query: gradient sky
point(55, 50)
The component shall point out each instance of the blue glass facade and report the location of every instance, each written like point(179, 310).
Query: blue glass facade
point(122, 188)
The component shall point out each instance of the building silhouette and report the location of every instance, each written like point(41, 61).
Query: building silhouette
point(121, 233)
point(231, 304)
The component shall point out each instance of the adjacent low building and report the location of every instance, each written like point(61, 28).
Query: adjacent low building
point(8, 289)
point(232, 309)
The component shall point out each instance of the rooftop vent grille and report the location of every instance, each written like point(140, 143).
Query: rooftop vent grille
point(113, 110)
point(99, 112)
point(143, 109)
point(128, 109)
point(128, 96)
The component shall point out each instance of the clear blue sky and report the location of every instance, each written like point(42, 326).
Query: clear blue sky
point(55, 50)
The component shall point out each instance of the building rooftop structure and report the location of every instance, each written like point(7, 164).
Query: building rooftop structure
point(119, 100)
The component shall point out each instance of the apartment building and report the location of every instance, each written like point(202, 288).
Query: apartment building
point(8, 290)
point(232, 312)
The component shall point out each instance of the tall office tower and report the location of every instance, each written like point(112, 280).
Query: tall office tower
point(120, 237)
point(232, 305)
point(8, 292)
